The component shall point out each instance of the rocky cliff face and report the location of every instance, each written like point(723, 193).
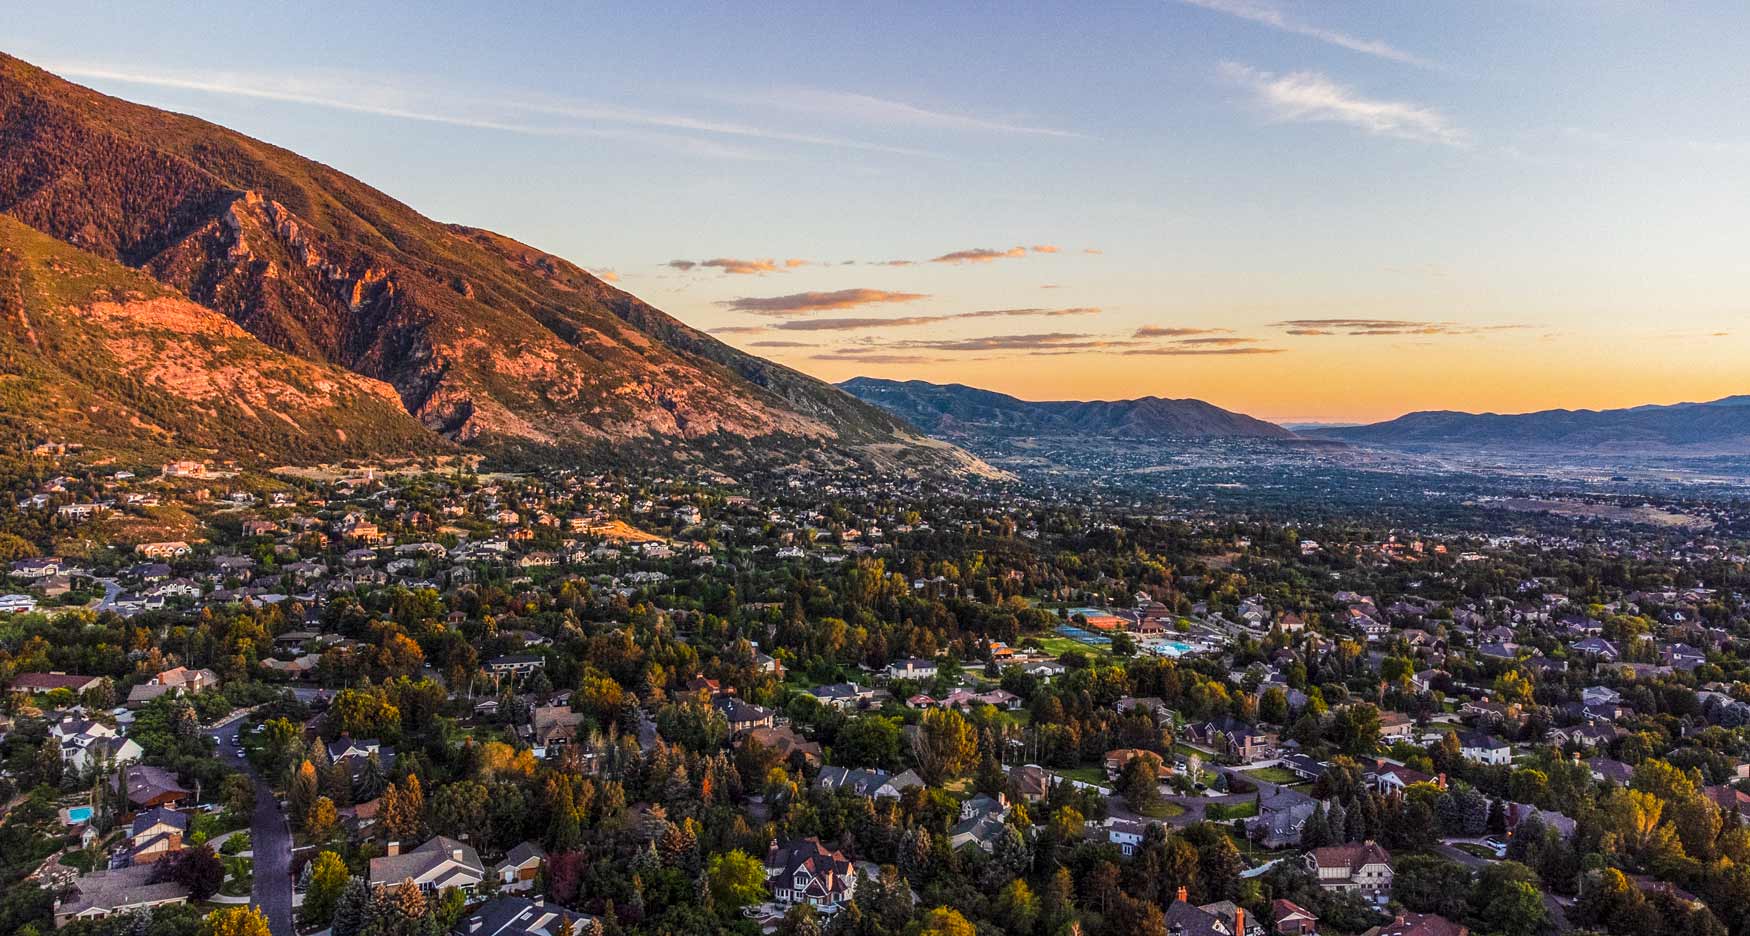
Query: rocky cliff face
point(484, 340)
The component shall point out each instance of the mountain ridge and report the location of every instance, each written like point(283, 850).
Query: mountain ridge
point(960, 411)
point(486, 341)
point(1716, 425)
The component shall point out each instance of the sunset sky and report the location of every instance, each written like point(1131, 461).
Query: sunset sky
point(1302, 211)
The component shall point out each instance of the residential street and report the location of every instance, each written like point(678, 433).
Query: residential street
point(272, 840)
point(269, 834)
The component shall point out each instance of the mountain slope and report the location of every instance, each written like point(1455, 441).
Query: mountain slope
point(1719, 426)
point(484, 340)
point(94, 353)
point(954, 411)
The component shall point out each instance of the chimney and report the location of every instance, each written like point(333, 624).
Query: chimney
point(1239, 921)
point(393, 849)
point(1182, 896)
point(456, 853)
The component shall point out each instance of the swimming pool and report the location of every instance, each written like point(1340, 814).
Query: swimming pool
point(77, 814)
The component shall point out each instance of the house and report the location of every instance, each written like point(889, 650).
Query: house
point(170, 550)
point(1597, 647)
point(1292, 919)
point(1600, 695)
point(786, 742)
point(439, 863)
point(1222, 918)
point(508, 915)
point(1304, 767)
point(1391, 778)
point(845, 695)
point(1420, 924)
point(1364, 867)
point(1395, 726)
point(1116, 760)
point(1484, 748)
point(518, 869)
point(1586, 736)
point(147, 787)
point(980, 825)
point(1281, 818)
point(805, 871)
point(175, 681)
point(1030, 782)
point(1229, 735)
point(38, 683)
point(155, 834)
point(122, 890)
point(1127, 834)
point(872, 783)
point(553, 726)
point(743, 716)
point(515, 665)
point(511, 915)
point(912, 669)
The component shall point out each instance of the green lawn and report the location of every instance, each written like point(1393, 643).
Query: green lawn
point(1163, 810)
point(1273, 775)
point(1218, 812)
point(1094, 775)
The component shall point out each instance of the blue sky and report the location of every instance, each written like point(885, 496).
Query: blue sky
point(1300, 210)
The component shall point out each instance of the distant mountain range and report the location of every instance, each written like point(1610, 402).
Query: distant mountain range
point(1721, 426)
point(275, 278)
point(959, 412)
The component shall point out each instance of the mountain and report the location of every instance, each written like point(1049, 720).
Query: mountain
point(1718, 426)
point(483, 340)
point(955, 411)
point(95, 353)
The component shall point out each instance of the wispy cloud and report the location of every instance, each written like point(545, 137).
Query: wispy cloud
point(818, 301)
point(741, 267)
point(1266, 15)
point(1188, 342)
point(1368, 327)
point(607, 276)
point(979, 255)
point(1310, 97)
point(738, 330)
point(873, 356)
point(869, 109)
point(860, 324)
point(773, 343)
point(505, 112)
point(1168, 331)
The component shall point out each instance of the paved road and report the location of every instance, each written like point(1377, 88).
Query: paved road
point(271, 839)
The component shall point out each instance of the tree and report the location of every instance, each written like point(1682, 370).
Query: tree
point(197, 869)
point(736, 880)
point(1017, 907)
point(943, 921)
point(321, 819)
point(1508, 900)
point(944, 744)
point(301, 792)
point(1140, 781)
point(235, 921)
point(239, 795)
point(328, 880)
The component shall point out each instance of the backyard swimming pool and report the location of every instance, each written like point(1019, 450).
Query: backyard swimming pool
point(77, 814)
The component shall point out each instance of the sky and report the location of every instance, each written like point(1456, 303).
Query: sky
point(1303, 211)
